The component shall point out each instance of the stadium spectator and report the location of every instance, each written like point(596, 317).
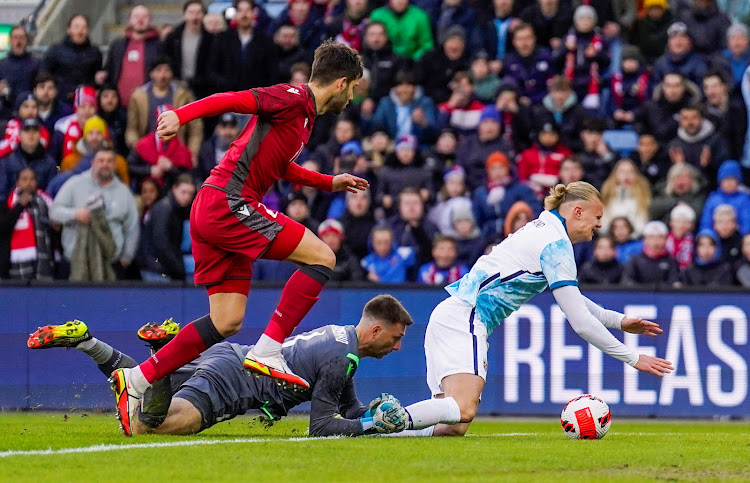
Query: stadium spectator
point(539, 165)
point(596, 157)
point(456, 13)
point(50, 108)
point(30, 153)
point(515, 117)
point(69, 129)
point(161, 90)
point(659, 115)
point(561, 108)
point(25, 107)
point(727, 113)
point(162, 160)
point(214, 23)
point(603, 269)
point(189, 48)
point(626, 244)
point(683, 185)
point(442, 155)
point(297, 208)
point(742, 267)
point(626, 192)
point(698, 144)
point(493, 200)
point(652, 158)
point(406, 111)
point(379, 58)
point(349, 27)
point(629, 87)
point(74, 61)
point(653, 266)
point(473, 151)
point(707, 26)
point(95, 137)
point(344, 131)
point(571, 170)
point(100, 221)
point(730, 192)
point(159, 253)
point(301, 14)
point(410, 226)
point(214, 148)
point(408, 27)
point(404, 169)
point(149, 192)
point(485, 82)
point(452, 195)
point(358, 221)
point(318, 201)
point(725, 225)
point(708, 269)
point(439, 67)
point(494, 33)
point(584, 57)
point(347, 267)
point(679, 56)
point(550, 20)
point(518, 215)
point(649, 32)
point(19, 68)
point(115, 116)
point(387, 262)
point(130, 56)
point(462, 112)
point(289, 52)
point(737, 53)
point(352, 160)
point(26, 249)
point(680, 242)
point(529, 66)
point(444, 268)
point(469, 239)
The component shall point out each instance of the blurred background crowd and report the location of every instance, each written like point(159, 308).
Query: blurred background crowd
point(468, 112)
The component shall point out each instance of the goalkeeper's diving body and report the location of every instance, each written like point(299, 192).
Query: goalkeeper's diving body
point(216, 387)
point(538, 256)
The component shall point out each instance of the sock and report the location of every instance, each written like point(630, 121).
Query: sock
point(433, 411)
point(413, 433)
point(155, 403)
point(266, 345)
point(187, 345)
point(107, 358)
point(298, 297)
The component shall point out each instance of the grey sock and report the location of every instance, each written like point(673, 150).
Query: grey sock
point(99, 351)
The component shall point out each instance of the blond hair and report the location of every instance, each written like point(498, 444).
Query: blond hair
point(640, 191)
point(577, 190)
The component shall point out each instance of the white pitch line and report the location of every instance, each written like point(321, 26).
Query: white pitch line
point(99, 448)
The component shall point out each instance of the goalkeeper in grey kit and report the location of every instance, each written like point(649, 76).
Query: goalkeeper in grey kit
point(216, 387)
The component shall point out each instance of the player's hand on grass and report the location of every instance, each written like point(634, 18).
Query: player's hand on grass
point(167, 125)
point(636, 325)
point(375, 403)
point(654, 365)
point(347, 182)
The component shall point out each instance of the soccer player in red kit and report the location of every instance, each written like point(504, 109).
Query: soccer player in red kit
point(230, 227)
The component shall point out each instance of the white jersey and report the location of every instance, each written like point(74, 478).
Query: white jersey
point(537, 256)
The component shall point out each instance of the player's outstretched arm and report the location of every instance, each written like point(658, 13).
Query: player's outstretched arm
point(243, 102)
point(616, 320)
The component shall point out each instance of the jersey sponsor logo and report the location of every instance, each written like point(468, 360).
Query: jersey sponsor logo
point(293, 90)
point(339, 333)
point(244, 210)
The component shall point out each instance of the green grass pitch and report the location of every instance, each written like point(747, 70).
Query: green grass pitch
point(245, 449)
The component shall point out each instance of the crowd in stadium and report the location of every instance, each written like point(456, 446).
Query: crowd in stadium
point(468, 112)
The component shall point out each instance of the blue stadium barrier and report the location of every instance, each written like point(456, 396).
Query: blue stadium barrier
point(536, 361)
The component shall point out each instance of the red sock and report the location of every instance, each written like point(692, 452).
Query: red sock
point(187, 345)
point(299, 295)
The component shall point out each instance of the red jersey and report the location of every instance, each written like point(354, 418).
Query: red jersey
point(266, 149)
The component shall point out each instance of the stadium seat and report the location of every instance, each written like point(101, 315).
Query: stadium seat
point(623, 141)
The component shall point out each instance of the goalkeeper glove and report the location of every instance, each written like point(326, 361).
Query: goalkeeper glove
point(375, 403)
point(389, 418)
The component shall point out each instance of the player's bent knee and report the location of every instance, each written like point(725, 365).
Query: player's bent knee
point(228, 327)
point(326, 257)
point(468, 412)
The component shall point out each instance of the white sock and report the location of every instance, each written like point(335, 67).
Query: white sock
point(433, 411)
point(414, 433)
point(138, 382)
point(266, 347)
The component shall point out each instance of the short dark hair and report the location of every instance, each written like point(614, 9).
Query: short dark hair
point(605, 237)
point(23, 170)
point(384, 228)
point(376, 23)
point(160, 60)
point(715, 73)
point(409, 190)
point(444, 238)
point(184, 178)
point(572, 159)
point(74, 16)
point(20, 27)
point(42, 78)
point(235, 3)
point(463, 75)
point(334, 61)
point(386, 308)
point(692, 107)
point(675, 72)
point(187, 4)
point(596, 124)
point(523, 26)
point(405, 77)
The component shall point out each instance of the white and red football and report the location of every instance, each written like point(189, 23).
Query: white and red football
point(586, 417)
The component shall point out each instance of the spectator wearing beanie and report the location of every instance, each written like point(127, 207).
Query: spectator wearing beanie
point(357, 221)
point(469, 239)
point(25, 107)
point(680, 56)
point(708, 268)
point(347, 267)
point(653, 266)
point(737, 53)
point(69, 129)
point(680, 243)
point(404, 169)
point(518, 215)
point(731, 192)
point(30, 153)
point(493, 200)
point(649, 32)
point(473, 151)
point(452, 195)
point(486, 83)
point(603, 268)
point(95, 136)
point(725, 225)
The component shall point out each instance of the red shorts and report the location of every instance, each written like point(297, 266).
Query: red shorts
point(228, 233)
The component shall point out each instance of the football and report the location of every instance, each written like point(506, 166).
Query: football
point(586, 417)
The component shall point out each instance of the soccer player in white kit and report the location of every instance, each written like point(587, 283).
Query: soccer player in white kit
point(537, 256)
